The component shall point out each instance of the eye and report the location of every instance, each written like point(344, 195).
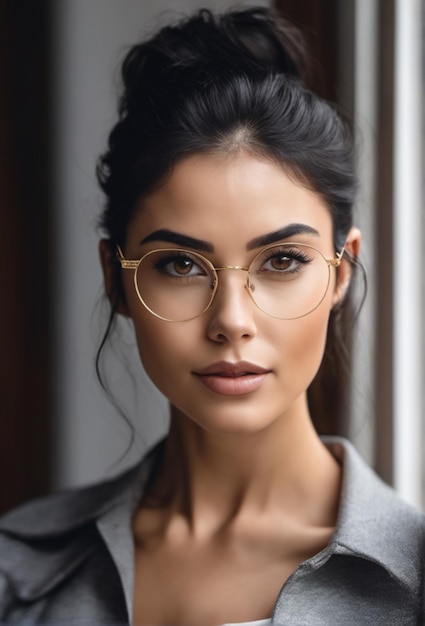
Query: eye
point(284, 261)
point(279, 262)
point(179, 265)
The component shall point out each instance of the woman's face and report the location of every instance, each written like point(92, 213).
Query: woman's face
point(227, 203)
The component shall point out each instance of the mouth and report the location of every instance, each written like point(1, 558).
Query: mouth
point(232, 378)
point(232, 370)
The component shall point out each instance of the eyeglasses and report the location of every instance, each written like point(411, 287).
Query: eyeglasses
point(285, 280)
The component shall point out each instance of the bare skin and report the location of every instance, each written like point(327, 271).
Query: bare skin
point(235, 524)
point(245, 490)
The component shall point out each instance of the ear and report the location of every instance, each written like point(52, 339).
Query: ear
point(109, 276)
point(345, 270)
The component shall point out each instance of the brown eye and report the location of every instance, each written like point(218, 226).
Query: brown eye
point(280, 262)
point(178, 265)
point(182, 266)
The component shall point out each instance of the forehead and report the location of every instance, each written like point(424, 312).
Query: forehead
point(229, 199)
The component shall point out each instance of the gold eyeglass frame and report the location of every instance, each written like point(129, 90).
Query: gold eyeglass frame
point(133, 264)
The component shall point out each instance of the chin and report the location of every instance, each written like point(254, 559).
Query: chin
point(234, 420)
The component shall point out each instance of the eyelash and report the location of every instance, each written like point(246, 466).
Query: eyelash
point(293, 254)
point(173, 258)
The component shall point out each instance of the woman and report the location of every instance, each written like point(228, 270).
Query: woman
point(229, 245)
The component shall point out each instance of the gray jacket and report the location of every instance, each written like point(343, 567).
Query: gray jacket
point(68, 559)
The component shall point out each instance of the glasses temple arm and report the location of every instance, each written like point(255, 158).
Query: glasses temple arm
point(336, 262)
point(126, 264)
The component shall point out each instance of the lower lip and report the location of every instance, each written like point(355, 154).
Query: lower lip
point(233, 385)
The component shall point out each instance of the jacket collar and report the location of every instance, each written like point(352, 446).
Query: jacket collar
point(373, 522)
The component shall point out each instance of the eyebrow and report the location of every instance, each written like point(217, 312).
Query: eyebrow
point(179, 239)
point(283, 233)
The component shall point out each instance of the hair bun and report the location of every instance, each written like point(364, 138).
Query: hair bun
point(266, 40)
point(205, 48)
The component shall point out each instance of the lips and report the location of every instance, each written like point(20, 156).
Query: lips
point(232, 378)
point(224, 368)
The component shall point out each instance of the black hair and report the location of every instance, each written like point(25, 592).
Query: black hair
point(222, 84)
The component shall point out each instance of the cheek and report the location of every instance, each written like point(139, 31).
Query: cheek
point(301, 349)
point(313, 344)
point(161, 345)
point(310, 336)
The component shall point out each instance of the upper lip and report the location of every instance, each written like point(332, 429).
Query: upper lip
point(225, 368)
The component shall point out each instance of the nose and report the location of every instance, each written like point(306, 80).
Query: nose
point(231, 315)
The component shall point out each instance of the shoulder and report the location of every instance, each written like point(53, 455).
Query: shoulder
point(375, 523)
point(65, 511)
point(365, 495)
point(372, 571)
point(45, 541)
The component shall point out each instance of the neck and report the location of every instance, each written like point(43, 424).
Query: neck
point(216, 477)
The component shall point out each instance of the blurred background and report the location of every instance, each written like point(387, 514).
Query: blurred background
point(59, 79)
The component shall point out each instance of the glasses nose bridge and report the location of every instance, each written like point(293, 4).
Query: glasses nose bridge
point(233, 267)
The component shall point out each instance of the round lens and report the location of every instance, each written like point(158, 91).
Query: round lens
point(174, 284)
point(288, 281)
